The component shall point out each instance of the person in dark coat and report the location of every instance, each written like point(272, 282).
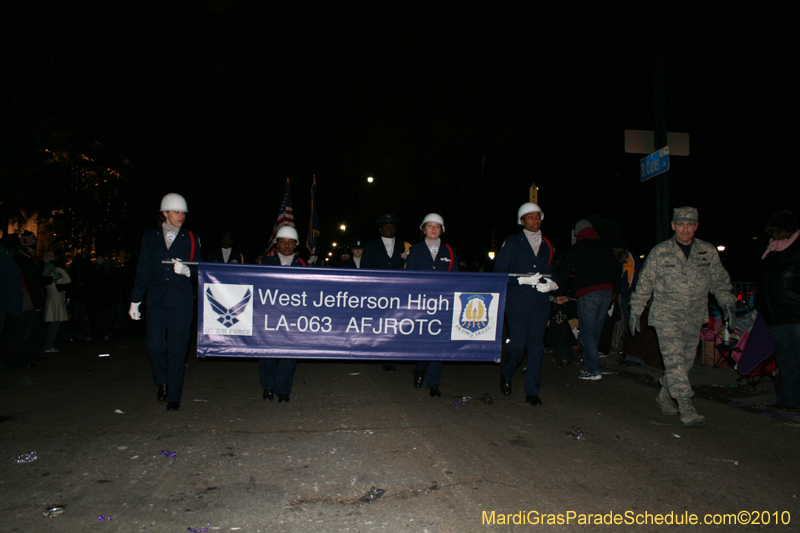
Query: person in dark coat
point(11, 290)
point(357, 249)
point(386, 252)
point(26, 341)
point(527, 301)
point(170, 296)
point(597, 278)
point(277, 374)
point(225, 253)
point(778, 301)
point(431, 254)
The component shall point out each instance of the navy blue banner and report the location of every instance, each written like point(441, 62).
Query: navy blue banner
point(267, 311)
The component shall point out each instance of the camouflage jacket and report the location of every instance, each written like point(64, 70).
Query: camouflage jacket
point(680, 286)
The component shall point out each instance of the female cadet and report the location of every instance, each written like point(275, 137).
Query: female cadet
point(431, 254)
point(170, 296)
point(277, 374)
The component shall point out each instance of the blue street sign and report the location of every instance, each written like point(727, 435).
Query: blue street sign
point(654, 164)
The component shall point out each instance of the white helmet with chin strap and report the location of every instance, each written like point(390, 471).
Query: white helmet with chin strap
point(287, 232)
point(528, 207)
point(432, 217)
point(174, 202)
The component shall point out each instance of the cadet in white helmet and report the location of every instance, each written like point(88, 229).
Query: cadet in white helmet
point(277, 375)
point(170, 296)
point(431, 254)
point(527, 302)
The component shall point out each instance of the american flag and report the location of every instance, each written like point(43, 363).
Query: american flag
point(285, 218)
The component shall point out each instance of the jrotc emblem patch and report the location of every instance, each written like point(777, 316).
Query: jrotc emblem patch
point(228, 309)
point(474, 316)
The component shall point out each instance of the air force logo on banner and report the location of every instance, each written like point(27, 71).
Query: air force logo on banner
point(475, 316)
point(228, 309)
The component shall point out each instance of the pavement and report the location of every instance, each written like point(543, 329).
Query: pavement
point(359, 449)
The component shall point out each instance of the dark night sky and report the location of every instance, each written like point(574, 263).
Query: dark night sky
point(454, 107)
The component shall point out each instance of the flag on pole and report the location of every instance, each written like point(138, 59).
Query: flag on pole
point(313, 226)
point(285, 218)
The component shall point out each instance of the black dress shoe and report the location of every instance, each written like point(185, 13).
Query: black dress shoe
point(268, 395)
point(435, 392)
point(505, 386)
point(283, 398)
point(418, 378)
point(161, 396)
point(533, 400)
point(173, 406)
point(388, 368)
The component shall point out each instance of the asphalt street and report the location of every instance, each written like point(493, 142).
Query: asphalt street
point(111, 457)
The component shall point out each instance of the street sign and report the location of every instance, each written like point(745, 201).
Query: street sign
point(654, 164)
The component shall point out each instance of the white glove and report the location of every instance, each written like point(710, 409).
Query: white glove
point(181, 269)
point(529, 280)
point(133, 312)
point(548, 286)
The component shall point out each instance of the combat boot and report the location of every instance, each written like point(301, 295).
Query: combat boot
point(664, 402)
point(689, 417)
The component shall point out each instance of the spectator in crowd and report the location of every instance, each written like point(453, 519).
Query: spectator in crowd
point(778, 301)
point(597, 278)
point(55, 307)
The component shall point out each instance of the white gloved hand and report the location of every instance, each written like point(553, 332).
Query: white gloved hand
point(529, 280)
point(133, 312)
point(548, 286)
point(181, 269)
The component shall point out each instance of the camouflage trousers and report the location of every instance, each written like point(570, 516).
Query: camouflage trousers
point(678, 344)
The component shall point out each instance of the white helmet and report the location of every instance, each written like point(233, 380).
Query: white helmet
point(174, 202)
point(528, 207)
point(286, 232)
point(432, 217)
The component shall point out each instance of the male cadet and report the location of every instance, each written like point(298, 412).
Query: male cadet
point(357, 246)
point(385, 253)
point(225, 253)
point(679, 273)
point(277, 375)
point(527, 304)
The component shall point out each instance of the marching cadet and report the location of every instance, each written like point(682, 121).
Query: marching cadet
point(679, 273)
point(431, 254)
point(225, 252)
point(170, 296)
point(386, 252)
point(527, 302)
point(277, 374)
point(357, 248)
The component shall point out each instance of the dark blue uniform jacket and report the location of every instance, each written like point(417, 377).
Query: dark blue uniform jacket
point(419, 258)
point(516, 255)
point(164, 287)
point(375, 255)
point(274, 260)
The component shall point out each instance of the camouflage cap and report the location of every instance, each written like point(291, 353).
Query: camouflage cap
point(685, 214)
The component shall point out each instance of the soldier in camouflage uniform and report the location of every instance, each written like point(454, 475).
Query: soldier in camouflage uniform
point(679, 273)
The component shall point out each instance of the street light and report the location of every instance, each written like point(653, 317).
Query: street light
point(370, 179)
point(343, 227)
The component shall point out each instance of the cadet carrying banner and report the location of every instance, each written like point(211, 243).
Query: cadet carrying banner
point(326, 313)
